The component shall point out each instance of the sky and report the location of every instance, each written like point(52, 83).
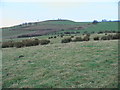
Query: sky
point(14, 12)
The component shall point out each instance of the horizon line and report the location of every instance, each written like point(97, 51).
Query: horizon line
point(55, 20)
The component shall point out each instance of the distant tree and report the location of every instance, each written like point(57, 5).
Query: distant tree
point(95, 22)
point(104, 20)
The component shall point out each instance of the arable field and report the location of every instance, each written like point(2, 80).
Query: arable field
point(91, 64)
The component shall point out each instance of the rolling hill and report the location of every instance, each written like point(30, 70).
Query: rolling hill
point(56, 26)
point(81, 64)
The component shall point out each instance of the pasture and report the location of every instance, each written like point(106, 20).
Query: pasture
point(91, 64)
point(82, 64)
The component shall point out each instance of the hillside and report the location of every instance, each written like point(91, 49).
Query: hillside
point(84, 62)
point(56, 26)
point(40, 28)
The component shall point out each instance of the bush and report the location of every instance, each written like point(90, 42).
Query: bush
point(116, 36)
point(49, 37)
point(27, 42)
point(106, 37)
point(66, 40)
point(72, 36)
point(19, 44)
point(96, 38)
point(61, 36)
point(100, 32)
point(77, 39)
point(88, 34)
point(111, 37)
point(105, 33)
point(30, 42)
point(8, 44)
point(86, 38)
point(55, 36)
point(35, 42)
point(44, 42)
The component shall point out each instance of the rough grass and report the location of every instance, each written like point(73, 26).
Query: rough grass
point(21, 30)
point(92, 64)
point(58, 25)
point(102, 26)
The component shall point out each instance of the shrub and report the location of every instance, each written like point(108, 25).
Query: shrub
point(116, 36)
point(111, 37)
point(100, 32)
point(44, 42)
point(5, 45)
point(105, 33)
point(55, 36)
point(35, 42)
point(66, 40)
point(27, 42)
point(106, 37)
point(86, 38)
point(77, 39)
point(8, 44)
point(61, 35)
point(49, 37)
point(30, 42)
point(19, 44)
point(96, 38)
point(88, 34)
point(72, 36)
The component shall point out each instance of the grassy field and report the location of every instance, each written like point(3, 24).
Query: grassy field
point(87, 64)
point(92, 64)
point(102, 26)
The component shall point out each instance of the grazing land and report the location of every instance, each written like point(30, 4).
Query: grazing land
point(56, 27)
point(81, 64)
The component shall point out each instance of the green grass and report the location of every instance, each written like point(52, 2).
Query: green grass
point(59, 25)
point(92, 64)
point(20, 30)
point(103, 26)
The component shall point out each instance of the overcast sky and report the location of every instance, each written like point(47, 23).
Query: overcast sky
point(14, 12)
